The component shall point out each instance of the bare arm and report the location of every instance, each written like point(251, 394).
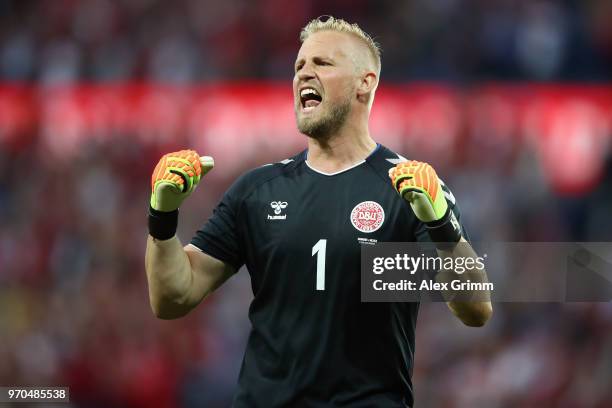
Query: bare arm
point(471, 313)
point(180, 278)
point(418, 183)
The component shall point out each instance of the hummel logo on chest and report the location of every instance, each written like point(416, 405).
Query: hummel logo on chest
point(278, 207)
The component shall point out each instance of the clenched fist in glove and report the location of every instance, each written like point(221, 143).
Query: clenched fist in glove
point(175, 177)
point(418, 183)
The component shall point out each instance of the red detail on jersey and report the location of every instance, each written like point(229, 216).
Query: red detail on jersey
point(367, 216)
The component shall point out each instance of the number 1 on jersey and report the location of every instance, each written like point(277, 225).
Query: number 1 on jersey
point(319, 250)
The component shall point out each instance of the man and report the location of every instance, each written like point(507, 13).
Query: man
point(296, 226)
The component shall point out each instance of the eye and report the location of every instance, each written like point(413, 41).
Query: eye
point(322, 62)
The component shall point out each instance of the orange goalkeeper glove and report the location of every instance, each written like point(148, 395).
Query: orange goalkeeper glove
point(418, 183)
point(175, 177)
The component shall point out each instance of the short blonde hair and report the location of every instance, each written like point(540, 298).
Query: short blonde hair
point(337, 24)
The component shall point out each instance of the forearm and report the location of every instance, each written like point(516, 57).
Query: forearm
point(170, 278)
point(418, 183)
point(473, 308)
point(175, 285)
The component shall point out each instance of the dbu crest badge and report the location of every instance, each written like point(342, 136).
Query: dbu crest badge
point(367, 216)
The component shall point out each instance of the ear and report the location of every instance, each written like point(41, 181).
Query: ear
point(367, 84)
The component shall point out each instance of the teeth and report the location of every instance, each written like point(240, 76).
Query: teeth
point(308, 91)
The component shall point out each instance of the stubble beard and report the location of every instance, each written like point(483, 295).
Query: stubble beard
point(326, 124)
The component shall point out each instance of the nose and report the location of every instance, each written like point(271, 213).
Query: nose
point(306, 72)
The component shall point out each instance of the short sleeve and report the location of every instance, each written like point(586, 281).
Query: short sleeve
point(220, 236)
point(421, 233)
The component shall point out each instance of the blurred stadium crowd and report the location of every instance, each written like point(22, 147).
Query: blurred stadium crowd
point(187, 40)
point(73, 301)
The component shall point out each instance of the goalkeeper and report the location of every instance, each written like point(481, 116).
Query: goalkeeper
point(298, 226)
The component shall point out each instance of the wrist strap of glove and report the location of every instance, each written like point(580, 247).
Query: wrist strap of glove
point(445, 232)
point(162, 225)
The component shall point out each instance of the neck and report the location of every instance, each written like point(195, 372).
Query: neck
point(343, 149)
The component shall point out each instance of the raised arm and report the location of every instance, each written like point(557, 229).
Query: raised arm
point(474, 312)
point(419, 184)
point(179, 277)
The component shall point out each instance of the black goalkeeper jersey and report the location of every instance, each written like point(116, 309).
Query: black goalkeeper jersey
point(313, 343)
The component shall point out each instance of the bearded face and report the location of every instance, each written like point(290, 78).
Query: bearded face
point(324, 84)
point(319, 118)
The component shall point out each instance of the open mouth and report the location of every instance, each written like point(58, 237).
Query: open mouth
point(310, 99)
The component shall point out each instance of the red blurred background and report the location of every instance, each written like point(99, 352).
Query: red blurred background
point(511, 101)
